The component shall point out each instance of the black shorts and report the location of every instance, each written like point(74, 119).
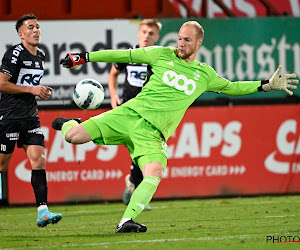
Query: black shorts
point(24, 132)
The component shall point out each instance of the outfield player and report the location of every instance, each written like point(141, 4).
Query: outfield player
point(20, 74)
point(135, 77)
point(145, 123)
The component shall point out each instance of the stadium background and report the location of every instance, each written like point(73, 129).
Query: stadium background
point(223, 147)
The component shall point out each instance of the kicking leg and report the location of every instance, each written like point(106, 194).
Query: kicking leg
point(73, 132)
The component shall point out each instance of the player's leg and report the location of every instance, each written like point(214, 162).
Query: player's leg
point(73, 132)
point(108, 128)
point(76, 134)
point(36, 156)
point(136, 175)
point(132, 180)
point(4, 161)
point(8, 138)
point(149, 152)
point(153, 173)
point(32, 141)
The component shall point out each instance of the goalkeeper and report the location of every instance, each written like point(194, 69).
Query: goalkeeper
point(145, 122)
point(135, 78)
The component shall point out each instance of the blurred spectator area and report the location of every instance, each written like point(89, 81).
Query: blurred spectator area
point(101, 9)
point(87, 9)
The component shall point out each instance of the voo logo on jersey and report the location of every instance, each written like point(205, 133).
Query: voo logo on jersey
point(180, 82)
point(30, 77)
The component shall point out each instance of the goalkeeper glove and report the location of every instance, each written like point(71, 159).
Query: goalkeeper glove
point(73, 60)
point(277, 82)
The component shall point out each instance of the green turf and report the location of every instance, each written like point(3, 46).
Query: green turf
point(231, 223)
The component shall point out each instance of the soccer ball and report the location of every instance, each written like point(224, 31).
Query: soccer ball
point(88, 94)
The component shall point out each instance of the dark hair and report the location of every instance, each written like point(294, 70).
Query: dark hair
point(24, 18)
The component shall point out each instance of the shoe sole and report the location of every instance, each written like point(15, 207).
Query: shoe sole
point(133, 231)
point(46, 222)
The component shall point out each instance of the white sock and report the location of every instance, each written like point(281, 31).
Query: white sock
point(123, 221)
point(41, 207)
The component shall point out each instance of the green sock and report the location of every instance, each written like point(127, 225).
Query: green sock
point(67, 126)
point(141, 196)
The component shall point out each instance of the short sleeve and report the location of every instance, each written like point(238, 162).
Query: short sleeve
point(120, 66)
point(9, 63)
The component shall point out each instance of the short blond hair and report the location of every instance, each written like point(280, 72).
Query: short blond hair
point(197, 26)
point(152, 22)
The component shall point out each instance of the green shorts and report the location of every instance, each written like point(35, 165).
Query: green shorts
point(123, 126)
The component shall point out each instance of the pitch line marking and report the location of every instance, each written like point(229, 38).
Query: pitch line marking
point(246, 236)
point(281, 216)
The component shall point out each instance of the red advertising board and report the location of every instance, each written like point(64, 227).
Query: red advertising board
point(216, 151)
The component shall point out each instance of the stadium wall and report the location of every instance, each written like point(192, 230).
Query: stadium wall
point(216, 151)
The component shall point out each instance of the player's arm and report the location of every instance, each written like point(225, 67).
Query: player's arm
point(276, 82)
point(10, 88)
point(113, 85)
point(146, 55)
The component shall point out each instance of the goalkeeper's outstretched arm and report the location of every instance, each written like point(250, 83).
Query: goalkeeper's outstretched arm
point(73, 60)
point(278, 82)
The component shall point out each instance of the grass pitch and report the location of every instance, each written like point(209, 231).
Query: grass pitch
point(231, 223)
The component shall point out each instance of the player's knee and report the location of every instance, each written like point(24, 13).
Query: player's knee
point(72, 137)
point(68, 137)
point(77, 135)
point(153, 169)
point(159, 173)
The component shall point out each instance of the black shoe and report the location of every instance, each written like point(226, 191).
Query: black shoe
point(59, 122)
point(131, 227)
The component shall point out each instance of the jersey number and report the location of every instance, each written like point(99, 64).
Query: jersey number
point(3, 147)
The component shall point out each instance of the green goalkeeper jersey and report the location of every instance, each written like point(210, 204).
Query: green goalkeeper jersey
point(172, 85)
